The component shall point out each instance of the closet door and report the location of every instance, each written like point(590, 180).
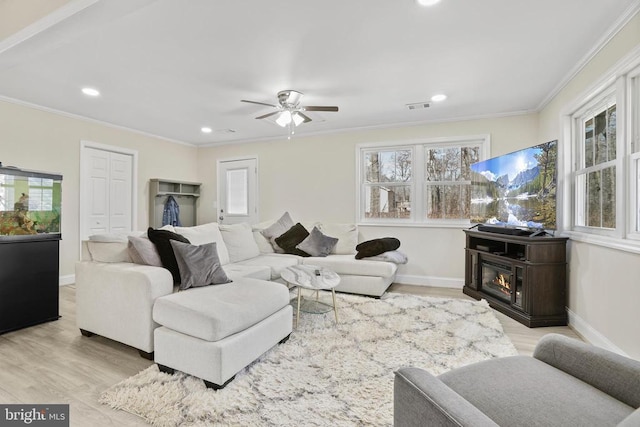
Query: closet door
point(107, 184)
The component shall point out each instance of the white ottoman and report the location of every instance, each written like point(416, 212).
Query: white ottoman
point(215, 331)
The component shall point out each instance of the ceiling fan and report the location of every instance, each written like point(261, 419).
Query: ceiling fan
point(289, 111)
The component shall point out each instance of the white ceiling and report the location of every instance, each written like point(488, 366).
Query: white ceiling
point(167, 67)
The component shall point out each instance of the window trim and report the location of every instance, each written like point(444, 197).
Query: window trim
point(417, 178)
point(602, 102)
point(618, 77)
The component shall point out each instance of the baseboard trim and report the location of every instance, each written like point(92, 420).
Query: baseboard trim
point(437, 282)
point(589, 333)
point(69, 279)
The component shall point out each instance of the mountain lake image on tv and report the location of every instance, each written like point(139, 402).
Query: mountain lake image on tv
point(517, 189)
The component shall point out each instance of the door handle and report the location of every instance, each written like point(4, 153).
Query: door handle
point(221, 218)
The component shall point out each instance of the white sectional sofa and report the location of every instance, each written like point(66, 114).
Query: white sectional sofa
point(115, 297)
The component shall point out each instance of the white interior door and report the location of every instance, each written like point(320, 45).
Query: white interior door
point(107, 185)
point(238, 191)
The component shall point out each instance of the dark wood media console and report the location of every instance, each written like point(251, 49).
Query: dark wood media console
point(523, 277)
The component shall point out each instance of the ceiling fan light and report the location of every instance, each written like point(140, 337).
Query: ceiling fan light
point(427, 2)
point(284, 118)
point(297, 118)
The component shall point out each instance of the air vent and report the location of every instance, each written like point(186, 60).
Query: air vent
point(225, 131)
point(418, 106)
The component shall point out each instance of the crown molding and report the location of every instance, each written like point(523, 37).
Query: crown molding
point(604, 40)
point(45, 23)
point(90, 120)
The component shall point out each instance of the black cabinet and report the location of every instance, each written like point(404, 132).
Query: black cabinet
point(29, 292)
point(523, 277)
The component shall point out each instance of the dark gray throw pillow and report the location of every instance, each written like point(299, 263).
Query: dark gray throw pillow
point(292, 238)
point(199, 265)
point(376, 247)
point(162, 239)
point(317, 243)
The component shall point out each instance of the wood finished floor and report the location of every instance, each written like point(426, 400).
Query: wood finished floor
point(53, 363)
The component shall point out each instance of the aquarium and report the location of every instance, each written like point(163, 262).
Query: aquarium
point(30, 204)
point(517, 189)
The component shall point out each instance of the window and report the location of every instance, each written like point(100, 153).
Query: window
point(40, 194)
point(634, 149)
point(602, 132)
point(387, 183)
point(596, 175)
point(448, 182)
point(425, 182)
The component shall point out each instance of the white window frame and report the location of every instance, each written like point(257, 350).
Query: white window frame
point(580, 172)
point(624, 80)
point(418, 178)
point(633, 138)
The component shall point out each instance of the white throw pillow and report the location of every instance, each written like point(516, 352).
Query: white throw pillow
point(109, 251)
point(263, 243)
point(206, 233)
point(277, 229)
point(347, 235)
point(239, 241)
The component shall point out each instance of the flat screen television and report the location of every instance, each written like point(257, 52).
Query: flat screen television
point(517, 190)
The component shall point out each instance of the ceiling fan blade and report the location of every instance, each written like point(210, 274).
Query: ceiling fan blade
point(320, 108)
point(267, 115)
point(259, 103)
point(306, 118)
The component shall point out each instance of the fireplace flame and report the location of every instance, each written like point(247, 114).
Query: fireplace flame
point(504, 285)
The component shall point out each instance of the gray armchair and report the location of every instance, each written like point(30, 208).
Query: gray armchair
point(565, 383)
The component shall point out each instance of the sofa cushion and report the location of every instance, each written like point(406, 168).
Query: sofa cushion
point(199, 265)
point(317, 244)
point(238, 239)
point(236, 271)
point(162, 240)
point(276, 262)
point(277, 229)
point(103, 251)
point(291, 238)
point(347, 235)
point(346, 264)
point(552, 396)
point(215, 312)
point(206, 233)
point(143, 251)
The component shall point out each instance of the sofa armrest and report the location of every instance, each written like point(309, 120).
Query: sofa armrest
point(616, 375)
point(421, 399)
point(115, 300)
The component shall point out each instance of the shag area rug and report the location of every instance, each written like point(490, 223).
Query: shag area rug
point(326, 374)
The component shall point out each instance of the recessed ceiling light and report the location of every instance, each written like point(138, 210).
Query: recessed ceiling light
point(439, 97)
point(427, 2)
point(206, 129)
point(89, 91)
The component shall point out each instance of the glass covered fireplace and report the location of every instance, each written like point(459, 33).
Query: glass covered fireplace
point(498, 280)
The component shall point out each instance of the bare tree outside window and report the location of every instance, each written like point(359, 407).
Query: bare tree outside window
point(387, 183)
point(448, 181)
point(599, 141)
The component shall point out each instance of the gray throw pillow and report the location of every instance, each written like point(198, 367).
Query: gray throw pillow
point(199, 265)
point(317, 243)
point(143, 251)
point(277, 229)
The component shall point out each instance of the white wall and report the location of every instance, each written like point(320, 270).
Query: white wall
point(604, 289)
point(314, 179)
point(39, 140)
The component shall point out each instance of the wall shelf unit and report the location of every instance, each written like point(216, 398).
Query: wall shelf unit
point(184, 192)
